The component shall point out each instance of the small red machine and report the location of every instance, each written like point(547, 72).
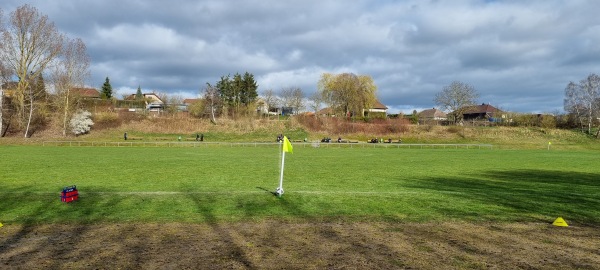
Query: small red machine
point(69, 194)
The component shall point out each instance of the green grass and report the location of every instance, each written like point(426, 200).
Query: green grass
point(221, 183)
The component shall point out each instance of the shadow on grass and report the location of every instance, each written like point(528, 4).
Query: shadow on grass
point(37, 213)
point(524, 194)
point(205, 206)
point(292, 206)
point(11, 200)
point(268, 191)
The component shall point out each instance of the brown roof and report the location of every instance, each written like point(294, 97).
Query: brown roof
point(190, 100)
point(325, 111)
point(86, 92)
point(432, 113)
point(329, 111)
point(307, 114)
point(483, 108)
point(379, 105)
point(145, 95)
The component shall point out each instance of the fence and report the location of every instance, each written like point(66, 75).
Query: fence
point(265, 144)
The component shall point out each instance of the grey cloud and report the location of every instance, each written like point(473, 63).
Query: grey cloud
point(519, 55)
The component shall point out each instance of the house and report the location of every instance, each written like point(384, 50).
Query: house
point(150, 97)
point(378, 109)
point(151, 100)
point(86, 93)
point(483, 111)
point(288, 110)
point(432, 114)
point(261, 107)
point(190, 101)
point(82, 92)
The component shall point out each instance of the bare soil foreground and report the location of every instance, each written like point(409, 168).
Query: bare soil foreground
point(300, 245)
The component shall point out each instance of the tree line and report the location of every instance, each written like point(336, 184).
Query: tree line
point(346, 94)
point(581, 104)
point(231, 96)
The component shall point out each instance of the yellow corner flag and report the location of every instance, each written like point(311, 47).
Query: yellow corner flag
point(287, 145)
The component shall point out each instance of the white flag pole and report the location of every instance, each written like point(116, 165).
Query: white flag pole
point(279, 190)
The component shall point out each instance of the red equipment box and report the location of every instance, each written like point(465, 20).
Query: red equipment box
point(69, 194)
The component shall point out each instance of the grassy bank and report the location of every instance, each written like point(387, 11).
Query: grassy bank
point(170, 129)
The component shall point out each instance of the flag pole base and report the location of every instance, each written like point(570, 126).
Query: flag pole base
point(279, 192)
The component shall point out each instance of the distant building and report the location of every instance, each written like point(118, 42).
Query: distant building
point(261, 107)
point(151, 100)
point(377, 108)
point(432, 114)
point(286, 110)
point(190, 101)
point(86, 93)
point(481, 112)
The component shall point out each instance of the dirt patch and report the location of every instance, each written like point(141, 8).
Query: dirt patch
point(300, 245)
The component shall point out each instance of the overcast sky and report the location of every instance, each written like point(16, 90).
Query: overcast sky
point(519, 55)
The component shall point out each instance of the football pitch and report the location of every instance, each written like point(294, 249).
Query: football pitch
point(224, 183)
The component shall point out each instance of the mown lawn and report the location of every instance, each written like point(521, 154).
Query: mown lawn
point(221, 184)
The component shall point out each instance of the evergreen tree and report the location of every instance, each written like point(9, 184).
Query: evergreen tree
point(414, 118)
point(106, 89)
point(225, 90)
point(238, 89)
point(237, 92)
point(138, 94)
point(249, 93)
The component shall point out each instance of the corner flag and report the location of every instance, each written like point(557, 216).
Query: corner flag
point(287, 145)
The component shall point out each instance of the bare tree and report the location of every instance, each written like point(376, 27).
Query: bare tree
point(572, 103)
point(315, 102)
point(30, 43)
point(173, 102)
point(299, 101)
point(4, 78)
point(3, 74)
point(36, 101)
point(456, 99)
point(270, 98)
point(293, 97)
point(161, 95)
point(212, 97)
point(583, 100)
point(71, 71)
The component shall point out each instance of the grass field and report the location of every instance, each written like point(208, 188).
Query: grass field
point(222, 184)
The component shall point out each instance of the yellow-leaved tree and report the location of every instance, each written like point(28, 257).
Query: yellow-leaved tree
point(348, 93)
